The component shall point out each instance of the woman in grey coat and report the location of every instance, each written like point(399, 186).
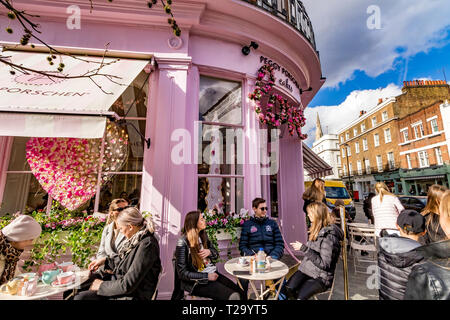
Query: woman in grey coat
point(316, 272)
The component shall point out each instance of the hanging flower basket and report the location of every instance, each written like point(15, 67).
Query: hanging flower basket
point(277, 111)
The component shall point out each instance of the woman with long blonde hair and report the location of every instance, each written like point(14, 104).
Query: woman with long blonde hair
point(195, 269)
point(385, 208)
point(316, 272)
point(434, 231)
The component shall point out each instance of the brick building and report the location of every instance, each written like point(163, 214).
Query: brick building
point(423, 150)
point(369, 145)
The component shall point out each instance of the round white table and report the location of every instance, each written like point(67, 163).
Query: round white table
point(278, 270)
point(44, 290)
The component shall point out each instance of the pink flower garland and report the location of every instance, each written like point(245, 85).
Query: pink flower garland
point(290, 115)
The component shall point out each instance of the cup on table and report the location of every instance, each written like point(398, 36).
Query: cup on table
point(50, 275)
point(45, 267)
point(66, 266)
point(65, 277)
point(242, 261)
point(10, 287)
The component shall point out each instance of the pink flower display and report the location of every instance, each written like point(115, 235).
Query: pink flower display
point(67, 167)
point(277, 110)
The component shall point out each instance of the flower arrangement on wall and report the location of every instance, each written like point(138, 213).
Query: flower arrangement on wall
point(278, 111)
point(217, 221)
point(67, 168)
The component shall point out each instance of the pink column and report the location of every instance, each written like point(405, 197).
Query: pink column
point(290, 189)
point(168, 188)
point(5, 151)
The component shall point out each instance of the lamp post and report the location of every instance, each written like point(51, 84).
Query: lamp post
point(348, 168)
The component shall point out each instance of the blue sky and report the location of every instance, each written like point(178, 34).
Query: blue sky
point(421, 66)
point(368, 48)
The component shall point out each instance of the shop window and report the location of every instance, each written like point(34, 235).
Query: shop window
point(220, 146)
point(23, 192)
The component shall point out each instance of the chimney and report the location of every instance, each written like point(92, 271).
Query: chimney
point(380, 100)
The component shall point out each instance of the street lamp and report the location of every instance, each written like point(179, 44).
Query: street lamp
point(348, 168)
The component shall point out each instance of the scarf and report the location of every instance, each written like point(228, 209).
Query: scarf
point(9, 256)
point(131, 243)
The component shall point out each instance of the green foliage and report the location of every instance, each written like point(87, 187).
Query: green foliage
point(220, 222)
point(63, 230)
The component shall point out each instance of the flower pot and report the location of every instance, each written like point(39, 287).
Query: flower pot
point(223, 235)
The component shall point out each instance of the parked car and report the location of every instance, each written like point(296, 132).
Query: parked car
point(413, 202)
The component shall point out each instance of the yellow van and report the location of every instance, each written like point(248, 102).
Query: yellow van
point(335, 189)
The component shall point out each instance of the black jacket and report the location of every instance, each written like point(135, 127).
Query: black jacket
point(186, 275)
point(321, 255)
point(396, 258)
point(137, 274)
point(261, 233)
point(431, 279)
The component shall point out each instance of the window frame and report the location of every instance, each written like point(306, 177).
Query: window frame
point(376, 140)
point(231, 176)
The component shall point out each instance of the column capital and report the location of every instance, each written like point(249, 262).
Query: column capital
point(173, 63)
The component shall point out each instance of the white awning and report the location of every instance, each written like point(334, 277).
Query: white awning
point(33, 105)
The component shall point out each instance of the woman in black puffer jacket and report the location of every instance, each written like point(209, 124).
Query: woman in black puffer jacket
point(194, 266)
point(316, 272)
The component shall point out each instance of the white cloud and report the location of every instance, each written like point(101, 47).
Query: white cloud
point(332, 118)
point(346, 44)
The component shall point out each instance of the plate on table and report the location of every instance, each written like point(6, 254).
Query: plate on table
point(55, 284)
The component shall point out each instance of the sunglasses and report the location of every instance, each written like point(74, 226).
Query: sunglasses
point(264, 208)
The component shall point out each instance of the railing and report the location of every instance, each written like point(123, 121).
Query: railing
point(290, 11)
point(370, 170)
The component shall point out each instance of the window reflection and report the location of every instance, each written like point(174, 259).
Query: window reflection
point(225, 193)
point(220, 101)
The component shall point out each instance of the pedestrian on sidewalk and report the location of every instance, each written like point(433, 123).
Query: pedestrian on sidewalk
point(397, 255)
point(385, 208)
point(316, 271)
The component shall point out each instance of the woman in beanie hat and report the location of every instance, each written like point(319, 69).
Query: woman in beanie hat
point(14, 238)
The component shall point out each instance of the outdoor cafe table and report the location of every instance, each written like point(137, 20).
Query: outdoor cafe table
point(278, 270)
point(45, 290)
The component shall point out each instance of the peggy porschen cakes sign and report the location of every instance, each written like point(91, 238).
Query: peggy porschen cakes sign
point(284, 79)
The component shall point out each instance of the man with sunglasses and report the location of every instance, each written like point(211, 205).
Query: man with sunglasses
point(260, 232)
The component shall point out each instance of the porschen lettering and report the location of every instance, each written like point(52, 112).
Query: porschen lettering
point(47, 93)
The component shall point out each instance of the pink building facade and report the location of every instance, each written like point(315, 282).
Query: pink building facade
point(198, 82)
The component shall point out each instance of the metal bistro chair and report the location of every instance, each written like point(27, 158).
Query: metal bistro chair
point(362, 238)
point(162, 273)
point(328, 292)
